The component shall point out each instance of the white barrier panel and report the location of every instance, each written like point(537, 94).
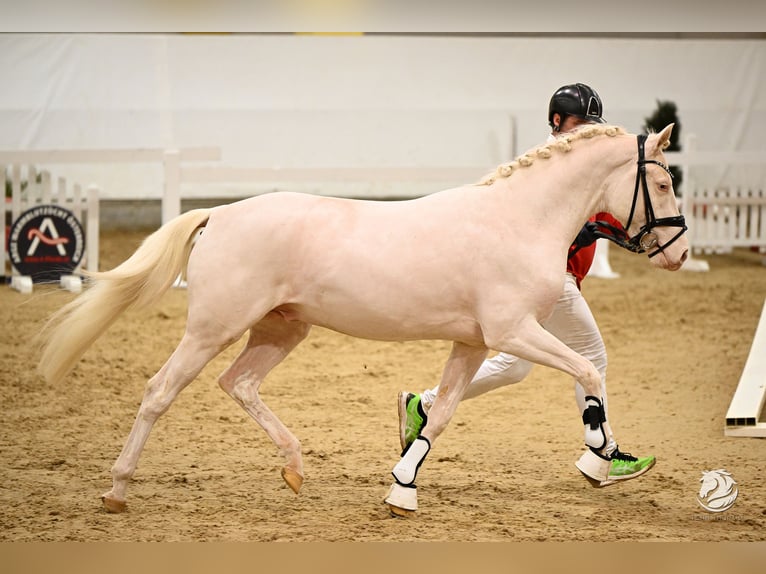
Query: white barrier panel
point(237, 182)
point(349, 153)
point(744, 417)
point(725, 216)
point(171, 160)
point(721, 219)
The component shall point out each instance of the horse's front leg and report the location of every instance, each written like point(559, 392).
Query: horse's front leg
point(532, 342)
point(462, 365)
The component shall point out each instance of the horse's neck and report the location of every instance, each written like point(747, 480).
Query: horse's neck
point(565, 190)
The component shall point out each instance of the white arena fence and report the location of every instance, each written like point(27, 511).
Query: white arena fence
point(339, 181)
point(23, 169)
point(721, 219)
point(170, 160)
point(726, 215)
point(371, 154)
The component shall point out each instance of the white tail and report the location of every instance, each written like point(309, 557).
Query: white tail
point(137, 282)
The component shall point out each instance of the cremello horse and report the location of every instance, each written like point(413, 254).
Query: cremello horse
point(480, 265)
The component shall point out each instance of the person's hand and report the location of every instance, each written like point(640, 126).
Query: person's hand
point(587, 235)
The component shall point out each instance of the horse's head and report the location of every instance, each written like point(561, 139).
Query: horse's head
point(710, 481)
point(652, 220)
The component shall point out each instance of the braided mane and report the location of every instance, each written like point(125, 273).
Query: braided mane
point(562, 143)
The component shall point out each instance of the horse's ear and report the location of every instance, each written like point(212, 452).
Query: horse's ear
point(663, 139)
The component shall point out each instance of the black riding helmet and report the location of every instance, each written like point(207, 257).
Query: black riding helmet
point(576, 100)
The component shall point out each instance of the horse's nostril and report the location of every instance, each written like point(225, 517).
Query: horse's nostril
point(684, 256)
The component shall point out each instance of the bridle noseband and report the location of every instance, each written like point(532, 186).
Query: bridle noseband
point(645, 239)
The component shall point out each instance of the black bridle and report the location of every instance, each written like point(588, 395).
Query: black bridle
point(645, 239)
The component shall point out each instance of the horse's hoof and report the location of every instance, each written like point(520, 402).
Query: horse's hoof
point(593, 482)
point(397, 512)
point(113, 505)
point(402, 501)
point(594, 468)
point(293, 479)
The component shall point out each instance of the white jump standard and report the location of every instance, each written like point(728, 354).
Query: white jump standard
point(744, 417)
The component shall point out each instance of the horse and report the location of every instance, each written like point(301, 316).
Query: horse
point(479, 265)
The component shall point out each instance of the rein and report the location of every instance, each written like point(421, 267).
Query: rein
point(645, 239)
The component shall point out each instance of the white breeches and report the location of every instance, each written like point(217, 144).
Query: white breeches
point(573, 323)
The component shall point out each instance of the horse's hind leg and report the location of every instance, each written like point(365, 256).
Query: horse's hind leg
point(270, 341)
point(180, 369)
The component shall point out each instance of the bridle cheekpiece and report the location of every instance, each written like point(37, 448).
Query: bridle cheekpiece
point(645, 239)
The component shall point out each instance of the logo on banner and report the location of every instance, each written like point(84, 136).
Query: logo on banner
point(46, 242)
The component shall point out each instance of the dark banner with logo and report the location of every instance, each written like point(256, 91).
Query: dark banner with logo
point(46, 242)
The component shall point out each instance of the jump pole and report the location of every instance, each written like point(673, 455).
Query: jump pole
point(745, 416)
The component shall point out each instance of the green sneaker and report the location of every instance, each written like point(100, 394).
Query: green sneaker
point(626, 466)
point(412, 417)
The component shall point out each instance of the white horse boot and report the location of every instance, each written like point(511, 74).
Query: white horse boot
point(402, 498)
point(593, 464)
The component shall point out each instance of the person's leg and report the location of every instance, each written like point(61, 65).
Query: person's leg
point(498, 371)
point(573, 323)
point(501, 370)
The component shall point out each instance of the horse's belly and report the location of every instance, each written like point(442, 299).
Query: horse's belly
point(387, 324)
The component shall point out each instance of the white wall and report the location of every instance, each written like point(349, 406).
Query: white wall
point(356, 101)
